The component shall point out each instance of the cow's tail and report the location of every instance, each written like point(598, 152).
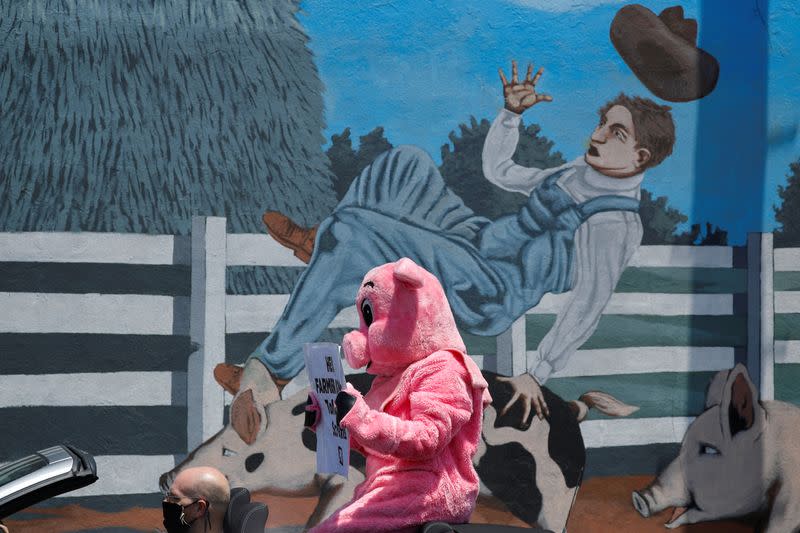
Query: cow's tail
point(603, 402)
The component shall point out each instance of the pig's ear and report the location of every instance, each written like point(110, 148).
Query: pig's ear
point(409, 273)
point(716, 388)
point(228, 376)
point(739, 408)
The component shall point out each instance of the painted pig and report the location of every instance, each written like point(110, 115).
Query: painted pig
point(739, 457)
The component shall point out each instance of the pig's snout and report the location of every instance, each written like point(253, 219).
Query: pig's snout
point(641, 505)
point(354, 345)
point(667, 490)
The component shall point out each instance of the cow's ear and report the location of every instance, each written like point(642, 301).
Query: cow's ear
point(228, 376)
point(739, 408)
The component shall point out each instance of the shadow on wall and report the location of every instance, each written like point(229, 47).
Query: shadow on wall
point(731, 151)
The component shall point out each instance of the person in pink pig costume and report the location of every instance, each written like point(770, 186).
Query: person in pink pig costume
point(420, 423)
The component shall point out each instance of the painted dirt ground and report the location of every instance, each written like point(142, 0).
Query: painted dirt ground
point(603, 506)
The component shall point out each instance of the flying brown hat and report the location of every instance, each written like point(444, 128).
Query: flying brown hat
point(662, 51)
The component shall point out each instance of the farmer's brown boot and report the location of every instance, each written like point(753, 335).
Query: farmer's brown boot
point(289, 234)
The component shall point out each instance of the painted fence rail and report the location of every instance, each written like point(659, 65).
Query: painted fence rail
point(787, 324)
point(116, 355)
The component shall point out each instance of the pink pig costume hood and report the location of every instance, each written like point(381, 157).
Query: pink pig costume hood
point(411, 319)
point(420, 423)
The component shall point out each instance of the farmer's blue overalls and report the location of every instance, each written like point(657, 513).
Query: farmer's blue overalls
point(492, 271)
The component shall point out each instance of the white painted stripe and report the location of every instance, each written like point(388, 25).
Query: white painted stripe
point(24, 312)
point(259, 250)
point(787, 302)
point(90, 247)
point(133, 474)
point(300, 381)
point(634, 431)
point(787, 259)
point(644, 360)
point(260, 312)
point(91, 389)
point(644, 303)
point(126, 474)
point(787, 352)
point(512, 357)
point(683, 256)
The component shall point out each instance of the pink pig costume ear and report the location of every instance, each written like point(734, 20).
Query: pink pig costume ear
point(409, 273)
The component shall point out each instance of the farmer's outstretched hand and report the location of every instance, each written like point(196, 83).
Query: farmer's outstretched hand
point(521, 96)
point(527, 391)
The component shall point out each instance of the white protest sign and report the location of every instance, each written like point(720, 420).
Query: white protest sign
point(326, 378)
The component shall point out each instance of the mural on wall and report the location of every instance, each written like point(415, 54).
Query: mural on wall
point(132, 119)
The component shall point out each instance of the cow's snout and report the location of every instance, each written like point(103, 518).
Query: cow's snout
point(641, 505)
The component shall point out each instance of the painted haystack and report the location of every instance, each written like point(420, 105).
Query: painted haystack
point(133, 116)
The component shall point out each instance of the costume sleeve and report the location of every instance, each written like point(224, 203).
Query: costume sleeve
point(440, 404)
point(602, 251)
point(498, 149)
point(354, 445)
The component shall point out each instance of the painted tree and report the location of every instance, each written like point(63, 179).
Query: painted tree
point(661, 222)
point(344, 162)
point(347, 163)
point(462, 168)
point(135, 116)
point(788, 213)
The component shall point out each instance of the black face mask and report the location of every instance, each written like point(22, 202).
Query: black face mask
point(175, 521)
point(173, 518)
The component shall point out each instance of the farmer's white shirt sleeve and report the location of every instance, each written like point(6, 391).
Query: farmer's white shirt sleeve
point(499, 147)
point(603, 245)
point(603, 248)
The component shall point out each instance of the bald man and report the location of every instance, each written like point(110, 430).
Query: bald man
point(197, 501)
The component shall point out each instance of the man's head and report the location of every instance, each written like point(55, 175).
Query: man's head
point(203, 494)
point(634, 134)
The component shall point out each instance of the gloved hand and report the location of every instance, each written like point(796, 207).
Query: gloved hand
point(344, 402)
point(313, 413)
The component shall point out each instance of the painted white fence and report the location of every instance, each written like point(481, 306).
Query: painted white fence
point(210, 314)
point(787, 260)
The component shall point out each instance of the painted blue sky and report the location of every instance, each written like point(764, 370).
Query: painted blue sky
point(419, 68)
